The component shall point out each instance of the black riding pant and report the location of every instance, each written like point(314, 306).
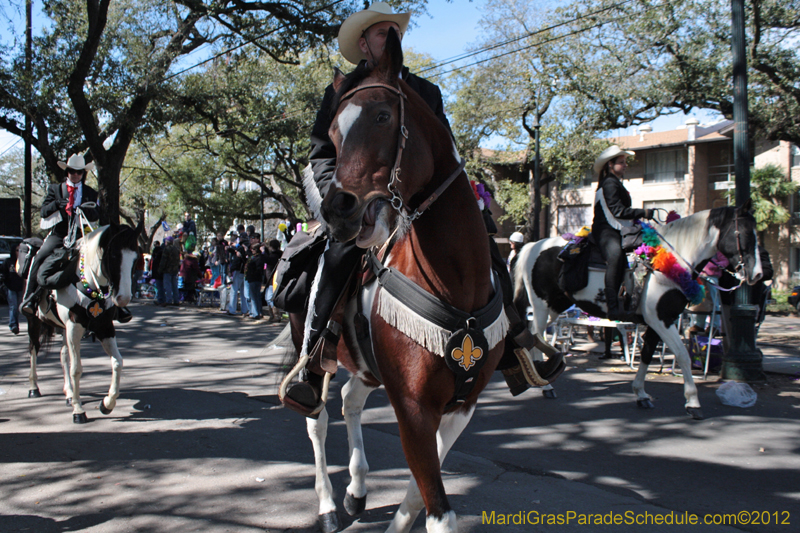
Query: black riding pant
point(340, 260)
point(610, 242)
point(51, 242)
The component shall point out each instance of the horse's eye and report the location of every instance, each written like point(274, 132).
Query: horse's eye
point(382, 118)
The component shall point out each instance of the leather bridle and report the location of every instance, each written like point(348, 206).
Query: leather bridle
point(396, 198)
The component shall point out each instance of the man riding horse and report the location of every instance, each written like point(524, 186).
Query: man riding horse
point(362, 39)
point(59, 211)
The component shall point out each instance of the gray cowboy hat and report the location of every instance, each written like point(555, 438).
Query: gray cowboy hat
point(356, 24)
point(612, 152)
point(76, 162)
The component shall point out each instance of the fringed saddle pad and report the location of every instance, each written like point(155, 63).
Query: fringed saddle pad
point(429, 321)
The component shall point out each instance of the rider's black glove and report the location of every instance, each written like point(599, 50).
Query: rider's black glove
point(649, 214)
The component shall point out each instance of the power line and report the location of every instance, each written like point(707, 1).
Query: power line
point(533, 45)
point(12, 145)
point(525, 36)
point(246, 42)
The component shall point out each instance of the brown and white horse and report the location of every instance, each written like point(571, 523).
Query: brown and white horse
point(393, 153)
point(105, 270)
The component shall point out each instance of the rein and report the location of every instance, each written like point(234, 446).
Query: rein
point(396, 199)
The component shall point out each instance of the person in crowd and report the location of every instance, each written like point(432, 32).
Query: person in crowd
point(219, 256)
point(237, 255)
point(272, 257)
point(170, 266)
point(13, 285)
point(516, 241)
point(612, 212)
point(157, 273)
point(244, 238)
point(190, 272)
point(254, 277)
point(362, 38)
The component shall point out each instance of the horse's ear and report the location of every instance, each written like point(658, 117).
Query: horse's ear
point(338, 78)
point(743, 210)
point(392, 59)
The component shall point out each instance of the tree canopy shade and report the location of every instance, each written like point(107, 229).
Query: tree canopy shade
point(104, 72)
point(646, 58)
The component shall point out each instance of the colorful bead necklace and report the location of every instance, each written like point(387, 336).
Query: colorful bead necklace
point(665, 262)
point(89, 291)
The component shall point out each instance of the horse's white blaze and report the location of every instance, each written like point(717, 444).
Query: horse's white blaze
point(445, 524)
point(354, 396)
point(346, 119)
point(318, 432)
point(123, 293)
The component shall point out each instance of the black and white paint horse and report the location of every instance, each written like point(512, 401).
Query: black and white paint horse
point(105, 269)
point(695, 238)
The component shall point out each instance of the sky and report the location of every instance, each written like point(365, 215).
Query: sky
point(446, 33)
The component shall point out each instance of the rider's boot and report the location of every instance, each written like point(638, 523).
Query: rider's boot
point(123, 315)
point(614, 310)
point(307, 397)
point(31, 299)
point(535, 373)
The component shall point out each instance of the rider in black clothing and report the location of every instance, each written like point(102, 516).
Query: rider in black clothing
point(612, 211)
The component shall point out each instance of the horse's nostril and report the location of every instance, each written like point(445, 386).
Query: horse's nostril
point(344, 204)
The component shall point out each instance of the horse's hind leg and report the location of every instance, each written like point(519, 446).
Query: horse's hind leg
point(651, 338)
point(318, 432)
point(354, 396)
point(110, 401)
point(34, 345)
point(444, 520)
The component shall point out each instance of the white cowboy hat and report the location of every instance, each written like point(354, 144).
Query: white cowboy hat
point(357, 23)
point(608, 154)
point(516, 237)
point(76, 162)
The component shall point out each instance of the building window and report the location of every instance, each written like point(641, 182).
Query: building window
point(794, 264)
point(665, 166)
point(678, 205)
point(587, 181)
point(795, 155)
point(794, 207)
point(571, 218)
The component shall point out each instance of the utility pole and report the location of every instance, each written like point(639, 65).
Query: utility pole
point(28, 178)
point(743, 362)
point(537, 198)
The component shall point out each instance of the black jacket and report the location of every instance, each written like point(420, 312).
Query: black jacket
point(323, 154)
point(618, 200)
point(9, 276)
point(56, 200)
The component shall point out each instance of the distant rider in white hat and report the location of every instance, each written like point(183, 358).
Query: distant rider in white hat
point(58, 209)
point(612, 211)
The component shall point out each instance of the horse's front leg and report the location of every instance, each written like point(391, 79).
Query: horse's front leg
point(650, 342)
point(318, 432)
point(73, 334)
point(110, 401)
point(675, 343)
point(440, 518)
point(65, 368)
point(34, 329)
point(354, 396)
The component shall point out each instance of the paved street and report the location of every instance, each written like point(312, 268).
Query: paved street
point(199, 442)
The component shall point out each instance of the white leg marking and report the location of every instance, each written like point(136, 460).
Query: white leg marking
point(354, 396)
point(444, 524)
point(110, 346)
point(74, 333)
point(318, 432)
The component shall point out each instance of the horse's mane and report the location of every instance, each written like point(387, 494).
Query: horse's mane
point(688, 231)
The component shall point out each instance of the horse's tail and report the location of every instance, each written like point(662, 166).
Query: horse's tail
point(284, 347)
point(40, 335)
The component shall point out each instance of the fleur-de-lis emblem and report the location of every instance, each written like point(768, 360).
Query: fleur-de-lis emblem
point(468, 354)
point(95, 310)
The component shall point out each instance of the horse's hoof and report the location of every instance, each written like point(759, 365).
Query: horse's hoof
point(329, 522)
point(354, 506)
point(104, 409)
point(79, 418)
point(695, 412)
point(550, 394)
point(645, 403)
point(69, 402)
point(34, 393)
